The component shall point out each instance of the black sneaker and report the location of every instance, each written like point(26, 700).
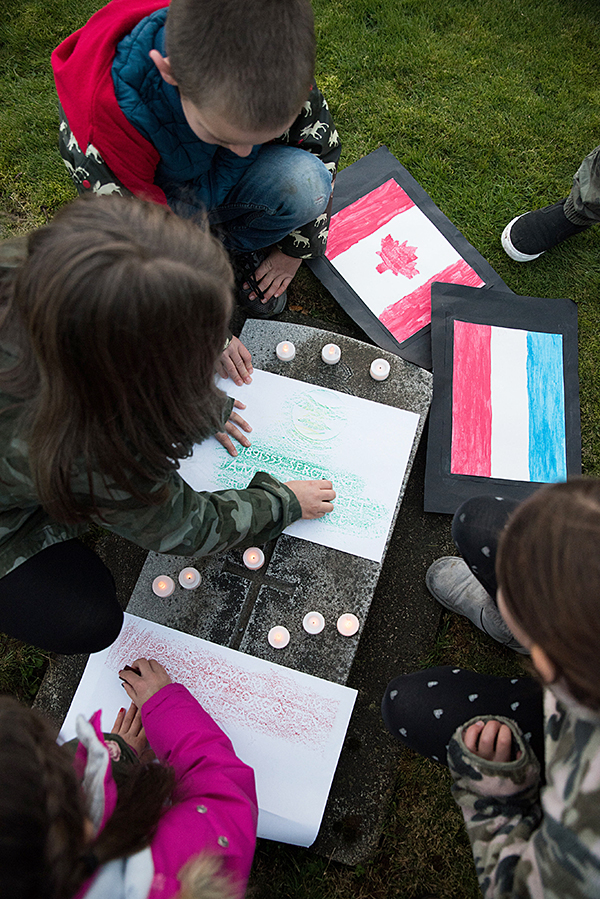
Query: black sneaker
point(244, 267)
point(531, 234)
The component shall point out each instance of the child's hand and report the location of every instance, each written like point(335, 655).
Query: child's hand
point(491, 741)
point(274, 274)
point(230, 428)
point(128, 725)
point(152, 677)
point(235, 362)
point(315, 497)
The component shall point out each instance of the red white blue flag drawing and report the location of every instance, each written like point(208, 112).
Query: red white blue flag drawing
point(390, 253)
point(508, 404)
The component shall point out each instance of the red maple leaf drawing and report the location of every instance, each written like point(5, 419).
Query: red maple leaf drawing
point(398, 258)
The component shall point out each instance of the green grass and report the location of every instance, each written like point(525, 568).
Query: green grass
point(491, 105)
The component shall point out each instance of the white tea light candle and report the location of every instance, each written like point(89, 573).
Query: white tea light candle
point(254, 558)
point(189, 578)
point(163, 585)
point(347, 624)
point(331, 353)
point(279, 636)
point(313, 622)
point(380, 369)
point(285, 350)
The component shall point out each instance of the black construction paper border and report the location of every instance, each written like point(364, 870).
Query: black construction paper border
point(444, 492)
point(354, 182)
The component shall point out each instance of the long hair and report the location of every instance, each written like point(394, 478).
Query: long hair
point(43, 851)
point(118, 315)
point(548, 568)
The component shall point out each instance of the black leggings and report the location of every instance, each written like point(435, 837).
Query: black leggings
point(476, 529)
point(424, 709)
point(63, 599)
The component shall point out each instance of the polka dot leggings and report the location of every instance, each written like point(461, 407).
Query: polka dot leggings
point(424, 709)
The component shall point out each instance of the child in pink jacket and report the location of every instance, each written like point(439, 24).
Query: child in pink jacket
point(113, 824)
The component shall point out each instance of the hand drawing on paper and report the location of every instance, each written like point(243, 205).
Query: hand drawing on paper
point(304, 432)
point(267, 701)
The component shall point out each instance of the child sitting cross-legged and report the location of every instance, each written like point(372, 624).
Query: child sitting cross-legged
point(525, 754)
point(207, 105)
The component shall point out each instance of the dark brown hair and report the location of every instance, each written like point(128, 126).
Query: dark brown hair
point(249, 60)
point(43, 854)
point(119, 314)
point(548, 569)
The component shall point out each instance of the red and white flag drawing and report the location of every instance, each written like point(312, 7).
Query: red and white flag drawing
point(390, 253)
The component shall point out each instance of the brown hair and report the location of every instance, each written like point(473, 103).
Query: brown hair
point(43, 854)
point(548, 569)
point(250, 60)
point(119, 314)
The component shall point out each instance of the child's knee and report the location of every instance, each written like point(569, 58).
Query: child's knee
point(307, 186)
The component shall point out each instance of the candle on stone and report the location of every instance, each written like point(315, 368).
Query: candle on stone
point(331, 353)
point(254, 558)
point(163, 585)
point(285, 350)
point(380, 369)
point(313, 622)
point(189, 578)
point(347, 624)
point(279, 636)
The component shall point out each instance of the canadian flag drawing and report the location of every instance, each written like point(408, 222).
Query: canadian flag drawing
point(390, 253)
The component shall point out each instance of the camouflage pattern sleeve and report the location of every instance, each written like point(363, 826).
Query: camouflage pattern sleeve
point(201, 524)
point(314, 131)
point(527, 844)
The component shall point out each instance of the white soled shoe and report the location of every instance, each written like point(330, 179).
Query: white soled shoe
point(450, 581)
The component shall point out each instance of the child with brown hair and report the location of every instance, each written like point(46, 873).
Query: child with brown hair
point(212, 105)
point(532, 835)
point(106, 822)
point(110, 332)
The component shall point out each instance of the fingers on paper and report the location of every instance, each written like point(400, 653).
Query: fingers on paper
point(143, 679)
point(235, 362)
point(315, 497)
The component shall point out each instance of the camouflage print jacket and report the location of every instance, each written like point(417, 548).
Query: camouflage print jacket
point(187, 523)
point(530, 840)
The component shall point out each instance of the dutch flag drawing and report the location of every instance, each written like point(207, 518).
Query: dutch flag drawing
point(508, 404)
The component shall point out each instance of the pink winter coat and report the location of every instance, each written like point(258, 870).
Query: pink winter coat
point(214, 806)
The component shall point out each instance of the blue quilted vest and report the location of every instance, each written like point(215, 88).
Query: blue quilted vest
point(193, 174)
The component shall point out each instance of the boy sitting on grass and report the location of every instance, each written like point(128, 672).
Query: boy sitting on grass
point(207, 105)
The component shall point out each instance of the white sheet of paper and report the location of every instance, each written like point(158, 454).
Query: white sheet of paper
point(302, 432)
point(289, 726)
point(378, 290)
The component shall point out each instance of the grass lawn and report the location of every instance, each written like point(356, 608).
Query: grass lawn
point(491, 105)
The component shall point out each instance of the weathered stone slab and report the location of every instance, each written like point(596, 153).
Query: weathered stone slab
point(237, 607)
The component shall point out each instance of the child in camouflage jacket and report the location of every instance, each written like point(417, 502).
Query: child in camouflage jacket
point(533, 817)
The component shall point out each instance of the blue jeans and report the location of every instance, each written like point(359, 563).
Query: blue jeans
point(283, 189)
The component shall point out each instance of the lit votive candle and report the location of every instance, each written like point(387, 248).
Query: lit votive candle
point(285, 350)
point(254, 558)
point(380, 369)
point(331, 353)
point(347, 624)
point(189, 578)
point(313, 622)
point(279, 636)
point(163, 585)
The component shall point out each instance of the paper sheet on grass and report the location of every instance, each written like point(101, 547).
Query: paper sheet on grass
point(305, 432)
point(289, 726)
